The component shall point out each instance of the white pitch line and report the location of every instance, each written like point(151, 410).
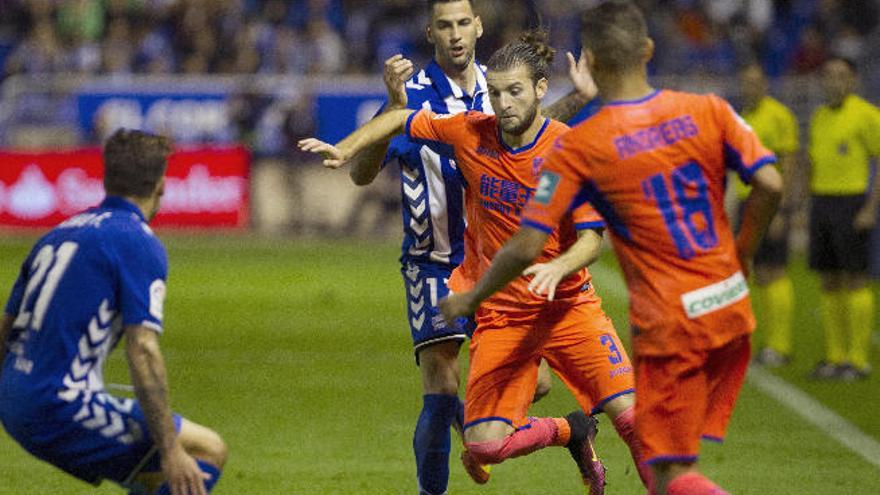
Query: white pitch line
point(813, 412)
point(809, 409)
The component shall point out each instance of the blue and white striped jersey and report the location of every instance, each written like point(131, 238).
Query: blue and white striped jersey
point(80, 285)
point(431, 187)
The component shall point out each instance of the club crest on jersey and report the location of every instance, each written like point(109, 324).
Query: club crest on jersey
point(546, 187)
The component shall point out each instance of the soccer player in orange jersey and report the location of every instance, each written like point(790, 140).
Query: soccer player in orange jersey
point(500, 160)
point(433, 216)
point(653, 164)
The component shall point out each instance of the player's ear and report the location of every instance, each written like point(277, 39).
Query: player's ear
point(649, 50)
point(160, 187)
point(429, 34)
point(541, 88)
point(479, 24)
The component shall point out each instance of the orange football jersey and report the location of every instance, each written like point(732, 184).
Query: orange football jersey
point(499, 182)
point(655, 169)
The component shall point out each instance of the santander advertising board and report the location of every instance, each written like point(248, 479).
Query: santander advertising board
point(204, 187)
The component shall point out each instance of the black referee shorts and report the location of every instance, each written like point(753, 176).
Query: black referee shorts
point(834, 244)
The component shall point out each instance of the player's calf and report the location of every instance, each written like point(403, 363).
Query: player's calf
point(623, 415)
point(492, 442)
point(441, 408)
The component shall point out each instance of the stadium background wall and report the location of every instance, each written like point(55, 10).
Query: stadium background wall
point(267, 114)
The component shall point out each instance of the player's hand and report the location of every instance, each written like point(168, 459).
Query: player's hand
point(546, 278)
point(866, 218)
point(182, 473)
point(581, 77)
point(333, 156)
point(397, 71)
point(457, 305)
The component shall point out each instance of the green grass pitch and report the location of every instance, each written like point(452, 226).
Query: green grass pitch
point(298, 353)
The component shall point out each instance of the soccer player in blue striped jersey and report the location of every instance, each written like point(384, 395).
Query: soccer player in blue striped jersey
point(93, 279)
point(433, 216)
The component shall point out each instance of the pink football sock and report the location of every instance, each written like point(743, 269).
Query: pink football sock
point(625, 424)
point(693, 483)
point(540, 433)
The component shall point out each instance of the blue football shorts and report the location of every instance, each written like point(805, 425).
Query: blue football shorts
point(95, 437)
point(425, 285)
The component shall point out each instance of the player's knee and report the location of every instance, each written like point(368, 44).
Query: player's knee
point(204, 443)
point(440, 370)
point(443, 385)
point(213, 449)
point(619, 405)
point(487, 432)
point(219, 451)
point(440, 377)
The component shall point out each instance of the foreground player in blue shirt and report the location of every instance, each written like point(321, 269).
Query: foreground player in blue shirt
point(95, 278)
point(433, 216)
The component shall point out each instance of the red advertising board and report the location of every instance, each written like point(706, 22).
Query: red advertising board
point(204, 187)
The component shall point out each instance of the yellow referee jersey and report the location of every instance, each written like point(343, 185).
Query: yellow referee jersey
point(842, 142)
point(777, 128)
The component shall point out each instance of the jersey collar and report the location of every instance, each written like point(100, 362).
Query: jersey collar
point(120, 203)
point(637, 101)
point(526, 147)
point(446, 87)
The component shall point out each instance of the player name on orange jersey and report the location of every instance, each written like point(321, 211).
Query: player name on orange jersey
point(658, 136)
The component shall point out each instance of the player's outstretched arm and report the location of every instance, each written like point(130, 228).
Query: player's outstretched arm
point(366, 166)
point(547, 276)
point(511, 260)
point(585, 89)
point(380, 129)
point(147, 368)
point(759, 210)
point(5, 332)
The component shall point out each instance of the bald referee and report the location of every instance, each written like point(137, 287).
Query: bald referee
point(844, 137)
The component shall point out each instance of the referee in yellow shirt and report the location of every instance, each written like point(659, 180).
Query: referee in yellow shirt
point(844, 137)
point(778, 129)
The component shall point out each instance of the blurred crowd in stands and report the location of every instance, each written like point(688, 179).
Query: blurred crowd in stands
point(355, 36)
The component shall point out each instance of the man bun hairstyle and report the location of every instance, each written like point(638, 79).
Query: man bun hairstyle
point(615, 31)
point(532, 50)
point(134, 162)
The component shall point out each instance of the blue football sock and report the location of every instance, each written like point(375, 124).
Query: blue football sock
point(206, 468)
point(431, 442)
point(459, 415)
